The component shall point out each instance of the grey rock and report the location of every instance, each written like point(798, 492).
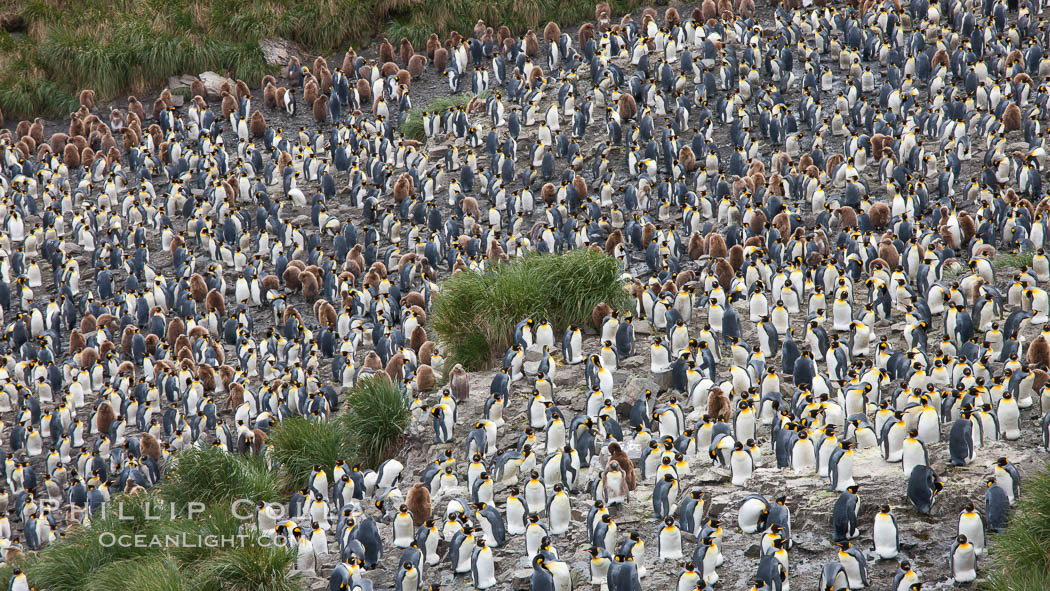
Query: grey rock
point(213, 82)
point(277, 51)
point(638, 385)
point(180, 81)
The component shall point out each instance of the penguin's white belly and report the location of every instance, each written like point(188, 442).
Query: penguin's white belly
point(884, 535)
point(802, 457)
point(973, 529)
point(741, 466)
point(965, 567)
point(845, 473)
point(560, 517)
point(670, 545)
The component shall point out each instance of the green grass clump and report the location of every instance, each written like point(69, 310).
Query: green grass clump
point(377, 414)
point(1012, 259)
point(474, 314)
point(210, 475)
point(1021, 554)
point(139, 542)
point(412, 127)
point(298, 444)
point(252, 567)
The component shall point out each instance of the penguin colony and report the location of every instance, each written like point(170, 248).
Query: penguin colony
point(798, 206)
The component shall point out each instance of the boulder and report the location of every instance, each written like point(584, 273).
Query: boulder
point(180, 81)
point(277, 51)
point(213, 82)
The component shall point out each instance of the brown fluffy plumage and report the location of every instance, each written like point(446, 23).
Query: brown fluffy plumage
point(598, 315)
point(104, 417)
point(125, 339)
point(348, 62)
point(552, 33)
point(627, 107)
point(270, 283)
point(615, 237)
point(1012, 117)
point(76, 341)
point(459, 383)
point(320, 109)
point(88, 324)
point(88, 357)
point(87, 99)
point(425, 378)
point(406, 50)
point(197, 88)
point(532, 44)
point(236, 395)
point(150, 447)
point(889, 254)
point(372, 361)
point(426, 352)
point(1039, 353)
point(325, 313)
point(697, 246)
point(418, 501)
point(417, 338)
point(736, 257)
point(845, 216)
point(309, 285)
point(441, 57)
point(648, 231)
point(416, 64)
point(215, 301)
point(716, 246)
point(724, 272)
point(71, 156)
point(585, 33)
point(206, 376)
point(311, 91)
point(718, 406)
point(616, 454)
point(879, 214)
point(403, 187)
point(257, 124)
point(290, 277)
point(229, 105)
point(176, 328)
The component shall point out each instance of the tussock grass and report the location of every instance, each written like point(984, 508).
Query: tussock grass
point(1012, 259)
point(169, 554)
point(251, 567)
point(1021, 554)
point(412, 127)
point(152, 573)
point(297, 444)
point(474, 314)
point(377, 415)
point(211, 475)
